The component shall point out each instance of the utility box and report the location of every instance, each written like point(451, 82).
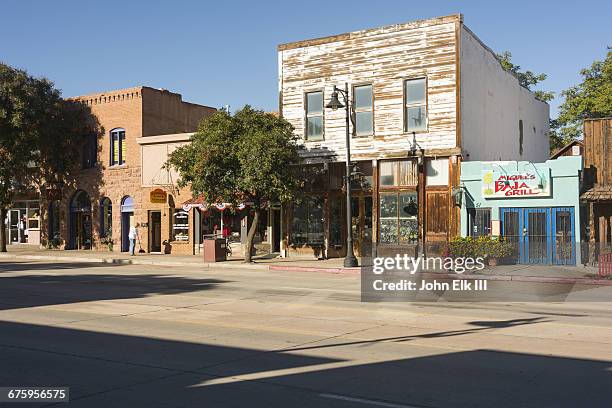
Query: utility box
point(215, 250)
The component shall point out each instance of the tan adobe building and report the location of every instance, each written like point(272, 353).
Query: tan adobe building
point(122, 182)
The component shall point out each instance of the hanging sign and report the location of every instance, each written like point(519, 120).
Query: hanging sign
point(527, 183)
point(158, 196)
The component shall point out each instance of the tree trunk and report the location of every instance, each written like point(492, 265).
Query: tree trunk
point(249, 241)
point(2, 229)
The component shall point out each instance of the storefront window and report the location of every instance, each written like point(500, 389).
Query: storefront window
point(437, 172)
point(479, 221)
point(335, 221)
point(398, 217)
point(398, 173)
point(307, 225)
point(180, 225)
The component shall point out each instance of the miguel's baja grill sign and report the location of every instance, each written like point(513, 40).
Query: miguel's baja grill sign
point(526, 183)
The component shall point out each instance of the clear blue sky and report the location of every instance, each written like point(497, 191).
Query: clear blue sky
point(224, 52)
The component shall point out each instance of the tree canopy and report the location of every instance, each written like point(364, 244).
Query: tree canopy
point(527, 79)
point(592, 98)
point(249, 157)
point(40, 136)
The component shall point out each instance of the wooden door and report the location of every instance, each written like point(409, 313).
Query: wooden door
point(436, 215)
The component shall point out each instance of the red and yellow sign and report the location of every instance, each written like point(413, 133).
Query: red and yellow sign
point(516, 184)
point(158, 196)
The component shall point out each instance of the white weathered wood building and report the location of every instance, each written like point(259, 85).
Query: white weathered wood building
point(430, 81)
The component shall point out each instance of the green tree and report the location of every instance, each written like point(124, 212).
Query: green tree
point(40, 136)
point(248, 157)
point(592, 98)
point(527, 79)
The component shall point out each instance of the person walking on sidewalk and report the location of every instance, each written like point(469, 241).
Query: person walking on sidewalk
point(132, 235)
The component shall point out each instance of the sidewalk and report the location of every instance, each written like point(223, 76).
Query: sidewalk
point(523, 273)
point(27, 252)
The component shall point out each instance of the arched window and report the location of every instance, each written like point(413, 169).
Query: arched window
point(80, 202)
point(106, 217)
point(118, 147)
point(127, 204)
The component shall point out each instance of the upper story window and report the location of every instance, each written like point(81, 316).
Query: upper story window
point(314, 115)
point(89, 153)
point(364, 113)
point(118, 147)
point(415, 105)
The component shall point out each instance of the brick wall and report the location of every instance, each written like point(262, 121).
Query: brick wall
point(141, 111)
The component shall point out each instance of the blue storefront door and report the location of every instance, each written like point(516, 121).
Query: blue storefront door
point(563, 236)
point(540, 235)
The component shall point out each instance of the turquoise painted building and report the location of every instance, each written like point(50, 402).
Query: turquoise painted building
point(533, 205)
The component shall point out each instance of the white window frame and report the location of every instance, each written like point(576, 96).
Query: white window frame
point(424, 104)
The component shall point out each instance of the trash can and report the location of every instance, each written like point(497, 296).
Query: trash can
point(215, 250)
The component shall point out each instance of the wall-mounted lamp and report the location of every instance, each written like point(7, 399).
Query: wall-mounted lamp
point(457, 193)
point(416, 148)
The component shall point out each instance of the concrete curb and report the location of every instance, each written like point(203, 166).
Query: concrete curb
point(336, 270)
point(135, 261)
point(293, 268)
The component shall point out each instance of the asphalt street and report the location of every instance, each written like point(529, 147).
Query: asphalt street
point(146, 336)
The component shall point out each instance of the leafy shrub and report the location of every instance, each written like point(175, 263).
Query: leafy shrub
point(483, 246)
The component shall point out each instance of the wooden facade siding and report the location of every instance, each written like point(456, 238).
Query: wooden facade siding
point(384, 57)
point(598, 149)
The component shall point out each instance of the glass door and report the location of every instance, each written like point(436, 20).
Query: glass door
point(14, 227)
point(563, 242)
point(512, 230)
point(537, 243)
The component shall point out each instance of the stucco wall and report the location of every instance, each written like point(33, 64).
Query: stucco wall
point(492, 103)
point(565, 182)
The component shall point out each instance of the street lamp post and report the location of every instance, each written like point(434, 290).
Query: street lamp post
point(417, 151)
point(350, 260)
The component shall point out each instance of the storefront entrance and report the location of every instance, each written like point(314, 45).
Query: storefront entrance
point(540, 235)
point(155, 231)
point(80, 221)
point(361, 225)
point(127, 220)
point(23, 222)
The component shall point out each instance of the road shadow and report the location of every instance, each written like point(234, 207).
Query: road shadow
point(480, 326)
point(104, 370)
point(32, 290)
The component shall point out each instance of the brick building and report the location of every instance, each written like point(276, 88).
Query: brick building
point(111, 192)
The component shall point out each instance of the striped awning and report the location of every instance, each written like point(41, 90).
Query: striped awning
point(200, 203)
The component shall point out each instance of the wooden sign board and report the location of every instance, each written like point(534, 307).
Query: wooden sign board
point(158, 196)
